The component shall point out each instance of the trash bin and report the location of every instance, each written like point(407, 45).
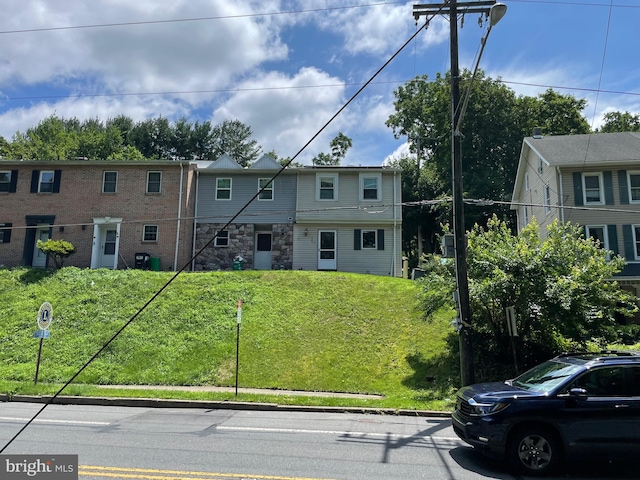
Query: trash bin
point(237, 262)
point(154, 263)
point(142, 260)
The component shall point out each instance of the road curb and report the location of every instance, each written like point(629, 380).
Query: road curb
point(212, 405)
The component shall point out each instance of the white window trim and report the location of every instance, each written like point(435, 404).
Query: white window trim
point(547, 199)
point(104, 175)
point(144, 231)
point(160, 183)
point(635, 241)
point(40, 182)
point(267, 189)
point(629, 174)
point(605, 234)
point(375, 239)
point(378, 177)
point(220, 236)
point(230, 189)
point(7, 183)
point(526, 181)
point(600, 188)
point(525, 215)
point(319, 177)
point(540, 166)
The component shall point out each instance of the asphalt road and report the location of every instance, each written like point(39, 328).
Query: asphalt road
point(194, 443)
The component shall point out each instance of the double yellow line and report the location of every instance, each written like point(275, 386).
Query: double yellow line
point(152, 474)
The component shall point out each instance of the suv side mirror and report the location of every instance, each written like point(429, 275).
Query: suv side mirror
point(578, 393)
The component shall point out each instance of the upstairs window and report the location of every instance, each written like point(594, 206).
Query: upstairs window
point(547, 199)
point(45, 184)
point(109, 182)
point(223, 189)
point(634, 187)
point(5, 181)
point(154, 182)
point(370, 187)
point(592, 188)
point(369, 239)
point(267, 193)
point(526, 181)
point(327, 187)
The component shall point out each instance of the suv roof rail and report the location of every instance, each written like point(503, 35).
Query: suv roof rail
point(606, 353)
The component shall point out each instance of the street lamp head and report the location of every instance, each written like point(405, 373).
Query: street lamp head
point(496, 13)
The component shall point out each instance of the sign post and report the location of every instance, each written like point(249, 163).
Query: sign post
point(45, 316)
point(238, 342)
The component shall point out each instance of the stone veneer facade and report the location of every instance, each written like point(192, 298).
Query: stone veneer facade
point(242, 242)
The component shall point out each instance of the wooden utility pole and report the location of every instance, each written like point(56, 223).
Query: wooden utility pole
point(452, 9)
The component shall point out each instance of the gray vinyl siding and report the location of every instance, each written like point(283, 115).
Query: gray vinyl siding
point(375, 262)
point(244, 187)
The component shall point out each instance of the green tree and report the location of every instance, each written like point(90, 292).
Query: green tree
point(234, 138)
point(52, 139)
point(561, 289)
point(340, 145)
point(57, 249)
point(620, 122)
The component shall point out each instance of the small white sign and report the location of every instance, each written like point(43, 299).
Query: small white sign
point(45, 316)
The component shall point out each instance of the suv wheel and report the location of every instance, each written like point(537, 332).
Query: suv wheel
point(534, 451)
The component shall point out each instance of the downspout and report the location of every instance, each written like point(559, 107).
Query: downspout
point(561, 194)
point(195, 221)
point(175, 258)
point(394, 266)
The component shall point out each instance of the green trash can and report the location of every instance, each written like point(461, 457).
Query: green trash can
point(237, 262)
point(154, 264)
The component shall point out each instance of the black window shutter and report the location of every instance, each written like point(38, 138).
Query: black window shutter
point(608, 188)
point(381, 239)
point(35, 178)
point(613, 238)
point(357, 236)
point(624, 188)
point(56, 181)
point(14, 181)
point(629, 247)
point(577, 188)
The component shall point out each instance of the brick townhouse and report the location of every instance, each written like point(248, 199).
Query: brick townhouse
point(109, 210)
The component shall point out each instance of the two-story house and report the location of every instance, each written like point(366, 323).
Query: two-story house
point(308, 218)
point(109, 210)
point(592, 180)
point(349, 219)
point(262, 233)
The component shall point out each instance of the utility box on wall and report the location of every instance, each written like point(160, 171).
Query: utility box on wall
point(142, 261)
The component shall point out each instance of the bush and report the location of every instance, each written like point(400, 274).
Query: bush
point(57, 249)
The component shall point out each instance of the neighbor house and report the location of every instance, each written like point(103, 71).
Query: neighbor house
point(113, 212)
point(592, 180)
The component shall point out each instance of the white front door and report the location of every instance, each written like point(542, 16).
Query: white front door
point(327, 250)
point(108, 247)
point(262, 257)
point(39, 257)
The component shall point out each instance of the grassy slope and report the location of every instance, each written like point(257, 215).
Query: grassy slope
point(321, 331)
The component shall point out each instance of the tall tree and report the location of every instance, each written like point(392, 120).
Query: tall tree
point(340, 145)
point(234, 138)
point(620, 122)
point(495, 122)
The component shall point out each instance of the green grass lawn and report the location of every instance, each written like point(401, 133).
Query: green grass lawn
point(312, 331)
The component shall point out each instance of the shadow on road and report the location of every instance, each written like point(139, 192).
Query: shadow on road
point(603, 469)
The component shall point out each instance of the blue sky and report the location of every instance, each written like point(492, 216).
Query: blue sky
point(285, 67)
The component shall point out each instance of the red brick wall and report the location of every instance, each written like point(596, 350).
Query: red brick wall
point(80, 200)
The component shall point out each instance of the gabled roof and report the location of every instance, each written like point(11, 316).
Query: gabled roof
point(225, 162)
point(266, 162)
point(589, 149)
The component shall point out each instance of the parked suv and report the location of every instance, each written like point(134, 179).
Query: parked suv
point(573, 404)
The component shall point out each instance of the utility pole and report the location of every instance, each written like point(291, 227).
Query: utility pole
point(452, 8)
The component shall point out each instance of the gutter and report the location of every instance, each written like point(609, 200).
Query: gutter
point(195, 221)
